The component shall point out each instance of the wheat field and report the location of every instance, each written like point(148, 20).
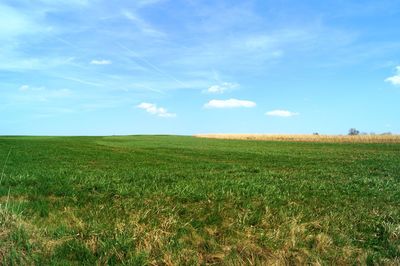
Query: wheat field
point(179, 200)
point(308, 138)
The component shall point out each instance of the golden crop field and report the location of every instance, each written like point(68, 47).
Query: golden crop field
point(308, 138)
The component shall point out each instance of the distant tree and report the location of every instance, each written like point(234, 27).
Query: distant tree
point(353, 132)
point(315, 133)
point(387, 133)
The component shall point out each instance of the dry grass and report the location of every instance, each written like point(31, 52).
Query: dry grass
point(308, 138)
point(14, 244)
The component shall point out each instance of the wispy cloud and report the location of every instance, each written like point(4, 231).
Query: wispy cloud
point(142, 25)
point(151, 65)
point(100, 62)
point(14, 23)
point(143, 3)
point(66, 2)
point(221, 88)
point(32, 93)
point(281, 113)
point(395, 80)
point(52, 112)
point(25, 88)
point(155, 110)
point(231, 103)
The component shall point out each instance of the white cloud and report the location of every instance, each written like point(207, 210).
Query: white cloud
point(281, 113)
point(100, 62)
point(395, 80)
point(154, 110)
point(24, 88)
point(219, 89)
point(27, 88)
point(231, 103)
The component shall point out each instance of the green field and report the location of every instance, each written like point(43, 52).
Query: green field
point(168, 200)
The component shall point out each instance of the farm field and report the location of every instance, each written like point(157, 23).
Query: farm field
point(388, 138)
point(174, 200)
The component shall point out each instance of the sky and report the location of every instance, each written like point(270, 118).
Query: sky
point(99, 67)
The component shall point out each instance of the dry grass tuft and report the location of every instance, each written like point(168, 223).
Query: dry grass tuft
point(14, 244)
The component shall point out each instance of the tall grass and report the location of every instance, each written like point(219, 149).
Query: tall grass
point(4, 165)
point(16, 247)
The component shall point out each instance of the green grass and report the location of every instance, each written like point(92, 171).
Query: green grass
point(167, 200)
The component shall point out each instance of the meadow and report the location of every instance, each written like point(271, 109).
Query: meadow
point(174, 200)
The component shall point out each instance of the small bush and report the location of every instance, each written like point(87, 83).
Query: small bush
point(353, 132)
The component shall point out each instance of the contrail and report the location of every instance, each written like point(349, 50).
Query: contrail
point(83, 81)
point(67, 42)
point(154, 67)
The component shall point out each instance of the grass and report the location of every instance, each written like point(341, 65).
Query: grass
point(168, 200)
point(385, 138)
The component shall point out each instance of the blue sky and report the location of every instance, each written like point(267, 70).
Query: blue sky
point(97, 67)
